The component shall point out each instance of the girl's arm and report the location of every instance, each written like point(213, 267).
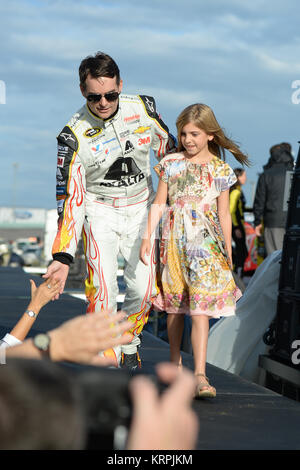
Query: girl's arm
point(154, 216)
point(225, 220)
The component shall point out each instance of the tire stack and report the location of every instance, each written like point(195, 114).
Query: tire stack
point(287, 320)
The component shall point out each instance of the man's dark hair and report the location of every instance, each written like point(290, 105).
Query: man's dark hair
point(99, 65)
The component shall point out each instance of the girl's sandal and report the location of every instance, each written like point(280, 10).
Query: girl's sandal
point(204, 389)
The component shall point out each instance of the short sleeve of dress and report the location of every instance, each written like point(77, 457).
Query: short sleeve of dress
point(161, 169)
point(225, 177)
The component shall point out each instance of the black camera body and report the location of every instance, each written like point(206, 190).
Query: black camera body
point(106, 405)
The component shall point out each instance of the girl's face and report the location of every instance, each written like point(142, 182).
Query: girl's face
point(194, 139)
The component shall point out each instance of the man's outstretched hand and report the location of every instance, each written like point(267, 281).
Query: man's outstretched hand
point(59, 272)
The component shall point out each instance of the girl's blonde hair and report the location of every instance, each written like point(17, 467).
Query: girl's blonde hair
point(203, 117)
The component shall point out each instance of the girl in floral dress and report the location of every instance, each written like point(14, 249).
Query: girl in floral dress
point(195, 248)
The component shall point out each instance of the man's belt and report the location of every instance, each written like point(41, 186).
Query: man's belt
point(124, 201)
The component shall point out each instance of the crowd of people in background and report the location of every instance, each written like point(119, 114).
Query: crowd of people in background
point(269, 206)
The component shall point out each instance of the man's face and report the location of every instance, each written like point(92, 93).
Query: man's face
point(101, 85)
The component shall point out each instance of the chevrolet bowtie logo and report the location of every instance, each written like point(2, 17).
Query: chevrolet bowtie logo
point(141, 130)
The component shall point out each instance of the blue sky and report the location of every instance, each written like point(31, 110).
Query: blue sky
point(241, 58)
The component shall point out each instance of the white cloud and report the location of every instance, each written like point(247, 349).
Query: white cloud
point(58, 49)
point(238, 23)
point(281, 66)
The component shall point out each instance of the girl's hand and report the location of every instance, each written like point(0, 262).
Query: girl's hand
point(145, 250)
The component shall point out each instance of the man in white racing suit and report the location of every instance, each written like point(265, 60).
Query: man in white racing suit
point(104, 190)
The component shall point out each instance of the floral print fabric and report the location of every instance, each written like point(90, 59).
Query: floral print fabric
point(195, 273)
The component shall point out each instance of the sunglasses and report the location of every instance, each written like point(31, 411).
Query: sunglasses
point(94, 97)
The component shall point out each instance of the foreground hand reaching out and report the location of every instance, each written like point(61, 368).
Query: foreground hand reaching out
point(165, 422)
point(81, 339)
point(42, 294)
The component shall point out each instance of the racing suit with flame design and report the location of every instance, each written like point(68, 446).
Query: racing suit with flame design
point(104, 190)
